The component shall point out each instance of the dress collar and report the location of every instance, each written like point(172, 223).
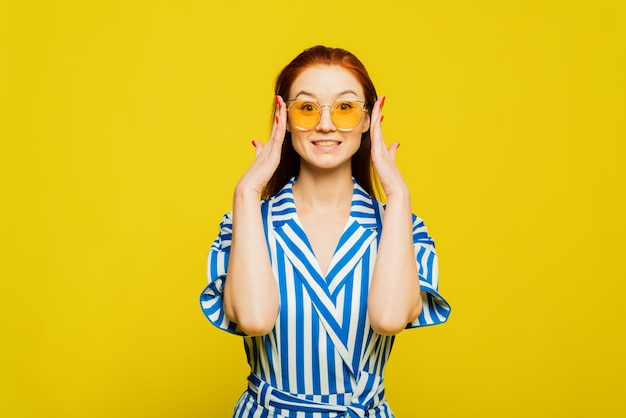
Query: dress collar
point(364, 208)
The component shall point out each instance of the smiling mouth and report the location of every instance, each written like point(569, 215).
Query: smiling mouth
point(326, 143)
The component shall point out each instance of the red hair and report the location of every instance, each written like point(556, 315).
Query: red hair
point(289, 165)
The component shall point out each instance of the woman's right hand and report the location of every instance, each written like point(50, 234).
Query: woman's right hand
point(250, 292)
point(267, 156)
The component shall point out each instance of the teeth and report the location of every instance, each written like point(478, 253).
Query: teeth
point(326, 143)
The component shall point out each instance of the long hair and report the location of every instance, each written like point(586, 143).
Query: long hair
point(289, 165)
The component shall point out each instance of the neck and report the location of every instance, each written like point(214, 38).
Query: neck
point(323, 190)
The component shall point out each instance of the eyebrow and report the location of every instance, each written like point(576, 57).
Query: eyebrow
point(306, 93)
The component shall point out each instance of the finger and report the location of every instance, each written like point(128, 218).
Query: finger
point(377, 109)
point(258, 147)
point(282, 117)
point(393, 148)
point(280, 124)
point(376, 133)
point(272, 150)
point(274, 127)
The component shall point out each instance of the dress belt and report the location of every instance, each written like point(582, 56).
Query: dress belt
point(362, 399)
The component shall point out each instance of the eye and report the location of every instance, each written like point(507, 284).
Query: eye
point(307, 107)
point(345, 106)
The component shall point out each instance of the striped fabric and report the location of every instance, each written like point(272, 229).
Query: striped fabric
point(322, 359)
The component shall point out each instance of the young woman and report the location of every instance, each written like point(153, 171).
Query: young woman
point(319, 277)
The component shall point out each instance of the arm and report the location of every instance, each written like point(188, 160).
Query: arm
point(250, 292)
point(394, 297)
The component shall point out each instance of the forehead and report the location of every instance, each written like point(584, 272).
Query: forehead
point(326, 81)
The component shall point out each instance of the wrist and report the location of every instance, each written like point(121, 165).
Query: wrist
point(244, 195)
point(244, 189)
point(399, 197)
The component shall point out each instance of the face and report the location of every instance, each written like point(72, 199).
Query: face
point(325, 146)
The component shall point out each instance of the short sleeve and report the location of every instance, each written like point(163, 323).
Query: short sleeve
point(435, 309)
point(211, 298)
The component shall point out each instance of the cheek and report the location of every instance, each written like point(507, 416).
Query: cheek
point(355, 141)
point(297, 141)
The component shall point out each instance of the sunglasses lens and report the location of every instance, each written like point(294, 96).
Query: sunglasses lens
point(305, 114)
point(346, 114)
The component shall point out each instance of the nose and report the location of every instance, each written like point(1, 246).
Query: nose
point(326, 122)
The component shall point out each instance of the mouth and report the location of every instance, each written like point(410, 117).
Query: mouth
point(326, 143)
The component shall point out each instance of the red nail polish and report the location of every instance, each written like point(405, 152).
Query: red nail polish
point(277, 102)
point(276, 119)
point(398, 145)
point(382, 102)
point(253, 144)
point(381, 118)
point(276, 98)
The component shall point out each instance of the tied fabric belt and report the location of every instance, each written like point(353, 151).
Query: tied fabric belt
point(362, 399)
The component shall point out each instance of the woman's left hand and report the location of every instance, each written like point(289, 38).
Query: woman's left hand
point(383, 157)
point(394, 299)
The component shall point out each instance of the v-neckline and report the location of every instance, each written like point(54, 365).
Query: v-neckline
point(362, 221)
point(307, 232)
point(336, 246)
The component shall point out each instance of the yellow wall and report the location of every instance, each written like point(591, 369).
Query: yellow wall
point(125, 124)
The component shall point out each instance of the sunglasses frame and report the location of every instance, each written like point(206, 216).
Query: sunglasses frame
point(363, 104)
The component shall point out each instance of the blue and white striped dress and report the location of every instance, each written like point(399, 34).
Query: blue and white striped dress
point(322, 359)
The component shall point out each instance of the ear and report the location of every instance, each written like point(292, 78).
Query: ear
point(365, 122)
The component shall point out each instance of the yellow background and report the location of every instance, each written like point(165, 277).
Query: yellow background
point(125, 125)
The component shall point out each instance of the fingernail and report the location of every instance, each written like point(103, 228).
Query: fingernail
point(382, 102)
point(276, 119)
point(381, 118)
point(398, 145)
point(253, 144)
point(277, 102)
